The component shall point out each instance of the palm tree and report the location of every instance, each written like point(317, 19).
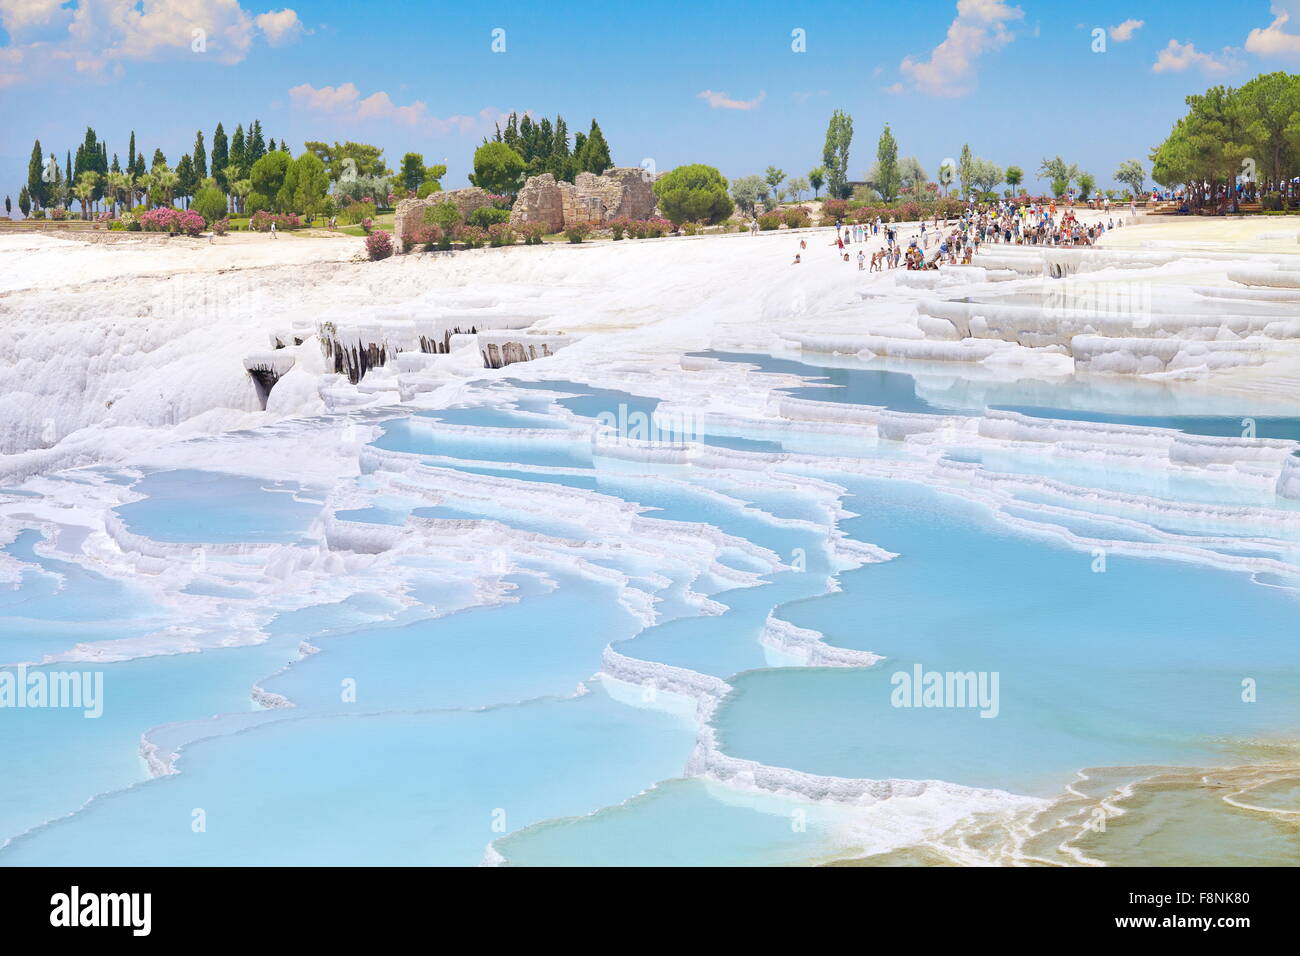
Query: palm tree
point(163, 181)
point(85, 191)
point(241, 188)
point(116, 185)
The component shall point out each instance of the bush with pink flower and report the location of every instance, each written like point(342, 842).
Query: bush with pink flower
point(261, 221)
point(220, 227)
point(379, 245)
point(172, 221)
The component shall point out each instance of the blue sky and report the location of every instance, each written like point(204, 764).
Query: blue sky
point(719, 83)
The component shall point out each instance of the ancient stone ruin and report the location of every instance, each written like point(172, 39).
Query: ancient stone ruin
point(410, 212)
point(622, 191)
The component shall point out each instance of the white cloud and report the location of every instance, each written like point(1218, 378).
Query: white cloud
point(721, 101)
point(23, 16)
point(279, 26)
point(1178, 57)
point(979, 27)
point(1124, 32)
point(95, 35)
point(345, 101)
point(1273, 40)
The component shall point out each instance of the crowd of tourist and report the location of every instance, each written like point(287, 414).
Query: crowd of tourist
point(956, 241)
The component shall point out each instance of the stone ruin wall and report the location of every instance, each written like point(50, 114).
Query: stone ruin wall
point(622, 191)
point(410, 212)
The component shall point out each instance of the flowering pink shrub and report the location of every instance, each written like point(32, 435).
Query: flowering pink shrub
point(172, 221)
point(656, 227)
point(500, 234)
point(367, 225)
point(578, 231)
point(105, 217)
point(379, 245)
point(770, 220)
point(833, 209)
point(220, 227)
point(472, 236)
point(500, 202)
point(532, 233)
point(619, 226)
point(796, 218)
point(58, 215)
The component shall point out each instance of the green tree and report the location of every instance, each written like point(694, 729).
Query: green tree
point(984, 175)
point(255, 148)
point(965, 167)
point(817, 179)
point(1132, 175)
point(412, 171)
point(1086, 182)
point(311, 184)
point(594, 156)
point(267, 177)
point(200, 157)
point(37, 190)
point(187, 179)
point(774, 177)
point(209, 201)
point(220, 157)
point(498, 168)
point(84, 190)
point(835, 154)
point(1059, 173)
point(25, 201)
point(1014, 176)
point(886, 177)
point(798, 186)
point(746, 191)
point(695, 193)
point(238, 155)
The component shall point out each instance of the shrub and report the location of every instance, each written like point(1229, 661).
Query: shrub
point(656, 227)
point(1272, 202)
point(770, 220)
point(172, 221)
point(487, 216)
point(578, 231)
point(210, 203)
point(379, 245)
point(472, 236)
point(501, 234)
point(367, 225)
point(691, 228)
point(261, 221)
point(532, 233)
point(796, 217)
point(833, 209)
point(117, 226)
point(446, 216)
point(355, 211)
point(694, 193)
point(130, 221)
point(58, 215)
point(619, 226)
point(220, 227)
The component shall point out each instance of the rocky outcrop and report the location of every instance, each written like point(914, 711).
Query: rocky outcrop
point(622, 191)
point(410, 212)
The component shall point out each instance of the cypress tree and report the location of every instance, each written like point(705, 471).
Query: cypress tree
point(35, 180)
point(200, 157)
point(220, 157)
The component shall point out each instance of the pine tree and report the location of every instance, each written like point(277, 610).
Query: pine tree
point(220, 157)
point(158, 159)
point(25, 201)
point(116, 167)
point(256, 148)
point(130, 153)
point(595, 157)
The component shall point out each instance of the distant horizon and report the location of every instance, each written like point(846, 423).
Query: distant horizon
point(720, 84)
